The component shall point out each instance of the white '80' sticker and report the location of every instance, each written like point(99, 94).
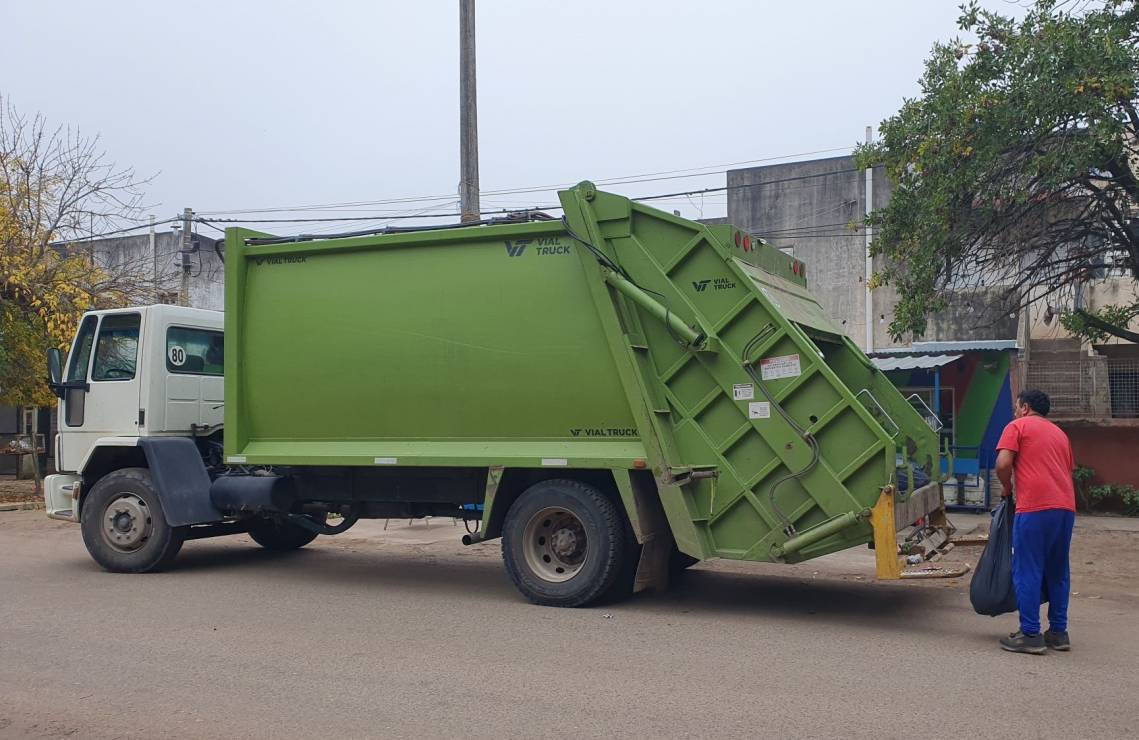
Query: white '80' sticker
point(177, 356)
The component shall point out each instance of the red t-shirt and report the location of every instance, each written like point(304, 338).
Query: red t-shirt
point(1043, 466)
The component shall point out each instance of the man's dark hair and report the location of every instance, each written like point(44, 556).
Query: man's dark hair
point(1035, 400)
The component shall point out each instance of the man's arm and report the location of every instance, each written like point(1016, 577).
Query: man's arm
point(1005, 459)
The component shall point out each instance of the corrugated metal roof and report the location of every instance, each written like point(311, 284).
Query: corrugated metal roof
point(921, 362)
point(942, 347)
point(981, 345)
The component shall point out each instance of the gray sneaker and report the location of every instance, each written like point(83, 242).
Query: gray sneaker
point(1018, 642)
point(1057, 640)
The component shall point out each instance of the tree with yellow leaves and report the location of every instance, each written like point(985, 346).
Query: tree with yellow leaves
point(56, 188)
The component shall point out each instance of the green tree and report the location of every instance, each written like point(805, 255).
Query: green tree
point(1018, 165)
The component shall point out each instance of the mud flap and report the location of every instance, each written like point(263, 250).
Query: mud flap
point(654, 534)
point(180, 476)
point(652, 568)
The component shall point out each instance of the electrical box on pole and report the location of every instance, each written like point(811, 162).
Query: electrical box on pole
point(184, 257)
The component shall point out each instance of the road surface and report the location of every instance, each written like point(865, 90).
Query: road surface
point(406, 633)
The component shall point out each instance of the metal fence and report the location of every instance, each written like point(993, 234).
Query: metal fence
point(1123, 387)
point(1067, 383)
point(1093, 387)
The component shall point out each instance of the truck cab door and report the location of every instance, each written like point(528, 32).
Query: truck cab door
point(194, 378)
point(105, 358)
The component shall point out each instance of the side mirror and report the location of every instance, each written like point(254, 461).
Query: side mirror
point(55, 370)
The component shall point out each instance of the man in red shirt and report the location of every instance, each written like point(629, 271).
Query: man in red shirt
point(1036, 455)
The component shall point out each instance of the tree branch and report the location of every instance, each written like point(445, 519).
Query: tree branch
point(1112, 329)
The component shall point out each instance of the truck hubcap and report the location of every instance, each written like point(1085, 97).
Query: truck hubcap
point(555, 544)
point(127, 523)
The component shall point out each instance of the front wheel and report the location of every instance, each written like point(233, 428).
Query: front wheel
point(564, 543)
point(124, 527)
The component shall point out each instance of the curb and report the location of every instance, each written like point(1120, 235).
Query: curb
point(23, 506)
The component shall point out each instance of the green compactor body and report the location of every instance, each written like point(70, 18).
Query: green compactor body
point(540, 378)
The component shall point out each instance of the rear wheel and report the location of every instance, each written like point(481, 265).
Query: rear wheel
point(564, 543)
point(282, 534)
point(124, 527)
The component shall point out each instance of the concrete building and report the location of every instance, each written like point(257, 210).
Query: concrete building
point(1094, 387)
point(160, 266)
point(806, 209)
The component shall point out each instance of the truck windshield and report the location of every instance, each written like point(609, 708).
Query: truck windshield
point(116, 352)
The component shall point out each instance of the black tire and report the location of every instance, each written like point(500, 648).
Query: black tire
point(124, 526)
point(602, 554)
point(281, 535)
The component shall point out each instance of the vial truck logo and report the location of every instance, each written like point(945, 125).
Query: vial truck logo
point(282, 260)
point(717, 284)
point(603, 432)
point(516, 248)
point(544, 246)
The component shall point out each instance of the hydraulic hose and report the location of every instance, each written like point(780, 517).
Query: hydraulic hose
point(812, 443)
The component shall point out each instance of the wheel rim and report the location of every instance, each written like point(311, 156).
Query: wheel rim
point(555, 544)
point(127, 523)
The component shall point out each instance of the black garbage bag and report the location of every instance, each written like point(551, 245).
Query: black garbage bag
point(921, 478)
point(991, 591)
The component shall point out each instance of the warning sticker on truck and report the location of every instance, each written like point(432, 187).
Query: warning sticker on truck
point(177, 356)
point(743, 392)
point(759, 410)
point(784, 366)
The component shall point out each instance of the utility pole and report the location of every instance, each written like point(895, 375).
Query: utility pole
point(153, 261)
point(869, 259)
point(468, 116)
point(184, 255)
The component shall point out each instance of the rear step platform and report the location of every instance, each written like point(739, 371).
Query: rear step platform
point(889, 558)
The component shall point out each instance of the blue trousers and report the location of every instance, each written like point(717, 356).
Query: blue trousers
point(1040, 544)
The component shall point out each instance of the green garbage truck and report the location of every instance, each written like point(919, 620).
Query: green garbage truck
point(613, 394)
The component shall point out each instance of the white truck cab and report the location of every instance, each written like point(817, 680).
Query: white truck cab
point(132, 373)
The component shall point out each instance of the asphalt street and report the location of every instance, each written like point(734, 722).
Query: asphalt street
point(406, 633)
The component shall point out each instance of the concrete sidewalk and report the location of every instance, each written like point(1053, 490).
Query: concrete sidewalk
point(968, 523)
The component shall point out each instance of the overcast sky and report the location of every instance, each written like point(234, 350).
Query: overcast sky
point(251, 103)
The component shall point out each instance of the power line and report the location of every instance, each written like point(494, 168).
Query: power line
point(836, 235)
point(365, 218)
point(797, 232)
point(89, 237)
point(549, 207)
point(385, 220)
point(620, 180)
point(726, 188)
point(807, 229)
